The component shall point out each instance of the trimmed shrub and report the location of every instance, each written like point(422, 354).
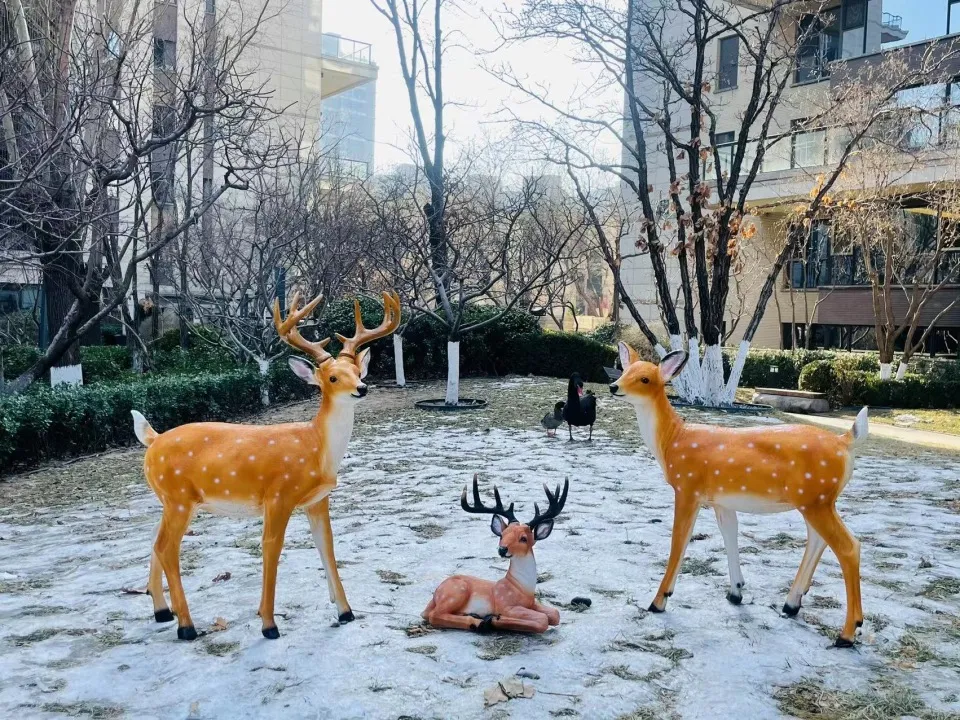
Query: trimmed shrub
point(49, 423)
point(863, 387)
point(819, 376)
point(17, 358)
point(608, 333)
point(105, 363)
point(776, 368)
point(557, 354)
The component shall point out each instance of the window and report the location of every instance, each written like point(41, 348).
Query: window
point(810, 267)
point(114, 44)
point(854, 38)
point(808, 146)
point(726, 146)
point(818, 39)
point(729, 63)
point(953, 17)
point(927, 115)
point(164, 53)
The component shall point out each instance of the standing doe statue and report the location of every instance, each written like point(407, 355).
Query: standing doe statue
point(753, 470)
point(469, 603)
point(267, 470)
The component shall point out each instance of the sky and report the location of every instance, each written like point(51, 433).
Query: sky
point(482, 96)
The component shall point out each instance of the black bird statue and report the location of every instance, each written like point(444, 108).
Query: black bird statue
point(580, 410)
point(551, 421)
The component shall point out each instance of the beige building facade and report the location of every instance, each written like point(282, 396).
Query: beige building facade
point(822, 290)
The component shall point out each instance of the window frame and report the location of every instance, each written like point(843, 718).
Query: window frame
point(735, 64)
point(822, 64)
point(798, 129)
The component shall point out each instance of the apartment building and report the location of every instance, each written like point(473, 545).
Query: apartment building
point(824, 289)
point(348, 127)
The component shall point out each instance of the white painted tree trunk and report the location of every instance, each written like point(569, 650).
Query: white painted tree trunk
point(66, 375)
point(901, 370)
point(712, 372)
point(398, 360)
point(736, 370)
point(264, 366)
point(886, 370)
point(694, 371)
point(453, 373)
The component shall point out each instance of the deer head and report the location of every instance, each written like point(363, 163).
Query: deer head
point(642, 381)
point(340, 377)
point(517, 539)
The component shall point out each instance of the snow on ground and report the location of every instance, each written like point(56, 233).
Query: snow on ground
point(73, 536)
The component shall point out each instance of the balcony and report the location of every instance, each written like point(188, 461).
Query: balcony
point(850, 271)
point(346, 64)
point(891, 28)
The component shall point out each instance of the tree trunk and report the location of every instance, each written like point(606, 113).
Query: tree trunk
point(398, 359)
point(712, 370)
point(901, 370)
point(264, 366)
point(886, 370)
point(736, 370)
point(453, 373)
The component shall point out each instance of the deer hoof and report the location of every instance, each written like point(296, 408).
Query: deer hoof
point(842, 642)
point(790, 610)
point(271, 633)
point(347, 616)
point(163, 616)
point(734, 599)
point(485, 626)
point(654, 609)
point(187, 632)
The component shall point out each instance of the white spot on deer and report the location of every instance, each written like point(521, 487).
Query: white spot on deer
point(206, 439)
point(233, 473)
point(226, 492)
point(716, 472)
point(807, 475)
point(219, 455)
point(823, 462)
point(675, 444)
point(177, 439)
point(252, 458)
point(286, 458)
point(689, 474)
point(803, 447)
point(161, 476)
point(833, 480)
point(749, 445)
point(297, 440)
point(286, 476)
point(302, 461)
point(743, 487)
point(839, 453)
point(800, 491)
point(161, 458)
point(802, 508)
point(683, 457)
point(313, 473)
point(793, 462)
point(216, 481)
point(770, 491)
point(774, 474)
point(180, 508)
point(696, 493)
point(239, 440)
point(720, 447)
point(678, 476)
point(190, 453)
point(729, 460)
point(203, 469)
point(177, 471)
point(691, 445)
point(749, 469)
point(822, 497)
point(272, 442)
point(823, 480)
point(777, 446)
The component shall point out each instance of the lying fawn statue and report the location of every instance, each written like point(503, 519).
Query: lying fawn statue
point(469, 603)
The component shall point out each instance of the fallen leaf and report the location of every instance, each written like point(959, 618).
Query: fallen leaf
point(222, 576)
point(219, 624)
point(507, 689)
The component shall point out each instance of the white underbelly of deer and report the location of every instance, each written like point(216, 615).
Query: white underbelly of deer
point(478, 605)
point(232, 509)
point(749, 504)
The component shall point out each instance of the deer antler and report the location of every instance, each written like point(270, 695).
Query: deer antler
point(478, 506)
point(362, 336)
point(287, 329)
point(556, 500)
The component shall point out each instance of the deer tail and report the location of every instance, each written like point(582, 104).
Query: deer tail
point(142, 429)
point(861, 428)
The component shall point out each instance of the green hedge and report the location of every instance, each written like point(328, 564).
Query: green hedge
point(558, 355)
point(852, 387)
point(47, 423)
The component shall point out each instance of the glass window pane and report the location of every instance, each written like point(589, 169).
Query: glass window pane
point(729, 63)
point(809, 148)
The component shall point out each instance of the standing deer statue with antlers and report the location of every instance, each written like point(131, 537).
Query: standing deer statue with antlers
point(754, 470)
point(468, 603)
point(267, 470)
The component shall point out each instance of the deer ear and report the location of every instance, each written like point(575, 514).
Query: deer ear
point(498, 525)
point(672, 364)
point(543, 530)
point(627, 355)
point(363, 362)
point(303, 370)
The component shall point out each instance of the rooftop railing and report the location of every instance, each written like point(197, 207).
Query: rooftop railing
point(346, 49)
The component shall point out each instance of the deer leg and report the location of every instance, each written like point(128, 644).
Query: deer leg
point(161, 612)
point(684, 517)
point(275, 519)
point(553, 615)
point(319, 516)
point(444, 608)
point(846, 547)
point(166, 548)
point(727, 520)
point(521, 619)
point(801, 584)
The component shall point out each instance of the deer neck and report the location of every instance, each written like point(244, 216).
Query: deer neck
point(523, 572)
point(659, 424)
point(334, 424)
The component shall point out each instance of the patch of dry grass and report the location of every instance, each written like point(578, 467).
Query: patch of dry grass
point(808, 699)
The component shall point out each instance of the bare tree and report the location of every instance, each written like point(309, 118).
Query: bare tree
point(690, 191)
point(88, 157)
point(501, 241)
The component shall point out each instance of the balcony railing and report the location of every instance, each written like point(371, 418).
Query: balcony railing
point(343, 48)
point(891, 21)
point(850, 271)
